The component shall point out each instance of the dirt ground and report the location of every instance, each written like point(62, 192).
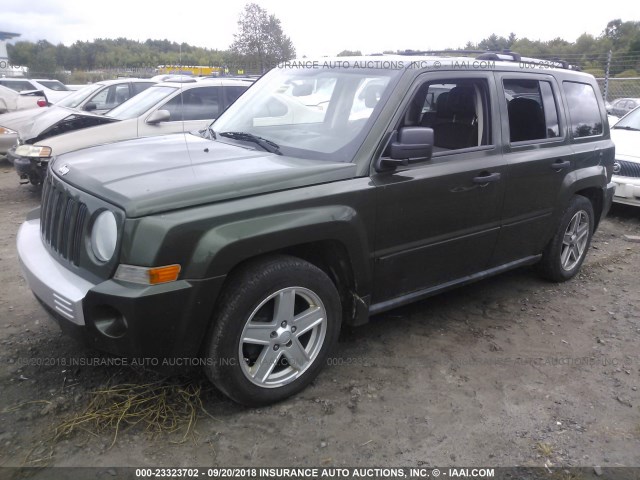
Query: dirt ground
point(510, 371)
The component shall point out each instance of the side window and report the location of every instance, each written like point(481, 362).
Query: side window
point(111, 97)
point(532, 111)
point(457, 110)
point(194, 104)
point(100, 98)
point(583, 109)
point(18, 86)
point(233, 92)
point(140, 87)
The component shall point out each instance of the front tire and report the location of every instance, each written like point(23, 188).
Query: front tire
point(277, 321)
point(567, 249)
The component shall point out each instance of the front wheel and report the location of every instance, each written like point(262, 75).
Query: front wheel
point(566, 251)
point(277, 321)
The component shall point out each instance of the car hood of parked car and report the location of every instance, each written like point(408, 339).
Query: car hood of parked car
point(627, 143)
point(55, 121)
point(17, 120)
point(157, 174)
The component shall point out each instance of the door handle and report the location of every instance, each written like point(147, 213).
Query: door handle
point(560, 164)
point(487, 177)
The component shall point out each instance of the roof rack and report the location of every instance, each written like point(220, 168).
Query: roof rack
point(502, 56)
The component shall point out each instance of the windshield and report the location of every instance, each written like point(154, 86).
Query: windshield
point(631, 121)
point(136, 106)
point(54, 85)
point(75, 99)
point(317, 113)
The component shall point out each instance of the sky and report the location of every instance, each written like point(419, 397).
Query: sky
point(317, 28)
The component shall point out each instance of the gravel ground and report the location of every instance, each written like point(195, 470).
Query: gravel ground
point(509, 371)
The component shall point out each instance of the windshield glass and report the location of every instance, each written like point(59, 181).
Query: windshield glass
point(54, 85)
point(630, 121)
point(136, 106)
point(75, 99)
point(317, 113)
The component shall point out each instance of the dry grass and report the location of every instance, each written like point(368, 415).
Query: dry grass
point(544, 449)
point(157, 408)
point(161, 408)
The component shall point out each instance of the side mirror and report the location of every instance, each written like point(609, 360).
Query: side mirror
point(159, 116)
point(90, 107)
point(302, 90)
point(410, 145)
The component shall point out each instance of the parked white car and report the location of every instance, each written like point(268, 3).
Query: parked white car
point(168, 107)
point(54, 90)
point(12, 101)
point(97, 98)
point(626, 169)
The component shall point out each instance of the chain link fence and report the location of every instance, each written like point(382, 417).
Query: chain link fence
point(617, 74)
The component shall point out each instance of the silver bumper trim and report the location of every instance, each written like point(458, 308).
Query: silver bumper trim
point(59, 288)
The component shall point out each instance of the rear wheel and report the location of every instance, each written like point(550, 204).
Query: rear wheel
point(278, 320)
point(566, 251)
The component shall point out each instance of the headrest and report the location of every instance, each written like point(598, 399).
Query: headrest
point(462, 100)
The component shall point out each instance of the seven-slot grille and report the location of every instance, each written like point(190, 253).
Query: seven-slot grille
point(628, 169)
point(62, 220)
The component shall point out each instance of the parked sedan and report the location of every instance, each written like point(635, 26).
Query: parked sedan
point(168, 107)
point(622, 106)
point(53, 89)
point(626, 169)
point(12, 101)
point(97, 98)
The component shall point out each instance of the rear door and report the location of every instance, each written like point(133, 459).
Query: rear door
point(538, 152)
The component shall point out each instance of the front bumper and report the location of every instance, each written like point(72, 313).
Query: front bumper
point(27, 168)
point(627, 190)
point(7, 141)
point(160, 321)
point(41, 271)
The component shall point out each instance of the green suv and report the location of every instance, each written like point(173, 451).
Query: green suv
point(330, 191)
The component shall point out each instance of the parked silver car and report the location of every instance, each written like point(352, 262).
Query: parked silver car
point(168, 107)
point(622, 106)
point(96, 98)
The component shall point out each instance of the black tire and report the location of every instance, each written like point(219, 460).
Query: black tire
point(554, 265)
point(276, 283)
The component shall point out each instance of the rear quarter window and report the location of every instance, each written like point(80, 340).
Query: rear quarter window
point(583, 109)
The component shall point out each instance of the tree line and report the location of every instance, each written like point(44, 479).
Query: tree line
point(261, 43)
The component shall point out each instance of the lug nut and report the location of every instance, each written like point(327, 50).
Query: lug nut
point(283, 324)
point(276, 347)
point(274, 334)
point(293, 329)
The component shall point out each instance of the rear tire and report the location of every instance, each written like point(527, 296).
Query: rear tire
point(277, 321)
point(564, 254)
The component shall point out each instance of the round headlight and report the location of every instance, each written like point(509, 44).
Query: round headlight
point(104, 236)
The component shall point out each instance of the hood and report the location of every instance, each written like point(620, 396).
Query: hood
point(17, 120)
point(57, 120)
point(627, 142)
point(157, 174)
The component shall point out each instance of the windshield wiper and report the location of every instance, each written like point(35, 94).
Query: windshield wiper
point(625, 127)
point(267, 145)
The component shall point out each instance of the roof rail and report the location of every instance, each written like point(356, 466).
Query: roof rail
point(500, 55)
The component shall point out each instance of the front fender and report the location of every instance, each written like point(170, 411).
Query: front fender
point(209, 241)
point(225, 246)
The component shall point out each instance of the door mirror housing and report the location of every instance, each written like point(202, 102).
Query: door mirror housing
point(409, 145)
point(159, 116)
point(89, 107)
